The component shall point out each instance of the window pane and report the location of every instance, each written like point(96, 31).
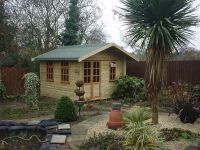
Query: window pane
point(85, 79)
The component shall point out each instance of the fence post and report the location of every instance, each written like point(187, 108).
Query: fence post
point(0, 73)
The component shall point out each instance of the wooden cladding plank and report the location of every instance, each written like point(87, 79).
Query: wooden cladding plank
point(12, 80)
point(187, 71)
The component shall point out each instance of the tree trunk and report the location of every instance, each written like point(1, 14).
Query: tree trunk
point(154, 107)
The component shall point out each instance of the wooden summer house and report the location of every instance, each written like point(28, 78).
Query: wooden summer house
point(98, 65)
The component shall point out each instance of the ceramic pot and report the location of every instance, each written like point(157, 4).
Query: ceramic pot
point(115, 118)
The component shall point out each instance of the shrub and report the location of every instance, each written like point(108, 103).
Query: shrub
point(130, 87)
point(184, 99)
point(196, 90)
point(138, 134)
point(65, 110)
point(2, 90)
point(31, 90)
point(108, 141)
point(176, 133)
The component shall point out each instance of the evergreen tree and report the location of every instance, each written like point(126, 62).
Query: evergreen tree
point(70, 35)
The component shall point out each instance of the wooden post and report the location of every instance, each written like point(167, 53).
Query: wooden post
point(0, 73)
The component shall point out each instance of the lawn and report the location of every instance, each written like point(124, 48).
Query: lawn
point(17, 109)
point(13, 109)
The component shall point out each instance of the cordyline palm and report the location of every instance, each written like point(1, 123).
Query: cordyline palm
point(159, 26)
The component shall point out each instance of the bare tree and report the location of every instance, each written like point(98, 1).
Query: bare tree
point(39, 21)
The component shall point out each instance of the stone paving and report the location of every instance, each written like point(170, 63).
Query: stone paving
point(79, 131)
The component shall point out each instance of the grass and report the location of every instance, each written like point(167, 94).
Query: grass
point(20, 111)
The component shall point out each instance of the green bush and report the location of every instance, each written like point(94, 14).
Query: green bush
point(65, 110)
point(130, 87)
point(107, 141)
point(138, 134)
point(31, 85)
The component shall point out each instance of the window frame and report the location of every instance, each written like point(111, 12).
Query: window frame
point(112, 71)
point(63, 66)
point(49, 71)
point(87, 72)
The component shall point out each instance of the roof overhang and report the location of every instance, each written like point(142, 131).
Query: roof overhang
point(106, 47)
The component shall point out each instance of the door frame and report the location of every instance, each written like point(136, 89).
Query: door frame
point(91, 83)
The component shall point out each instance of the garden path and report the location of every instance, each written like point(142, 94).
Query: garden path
point(79, 131)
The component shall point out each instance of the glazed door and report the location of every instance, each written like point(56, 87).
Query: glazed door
point(91, 79)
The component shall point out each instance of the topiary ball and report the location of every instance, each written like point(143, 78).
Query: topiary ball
point(79, 83)
point(65, 110)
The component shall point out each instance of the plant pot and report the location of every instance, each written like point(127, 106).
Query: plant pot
point(115, 118)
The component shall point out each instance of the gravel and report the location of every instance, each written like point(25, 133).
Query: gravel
point(165, 121)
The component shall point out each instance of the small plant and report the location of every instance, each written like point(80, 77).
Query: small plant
point(138, 134)
point(31, 90)
point(65, 110)
point(137, 116)
point(130, 87)
point(107, 141)
point(2, 90)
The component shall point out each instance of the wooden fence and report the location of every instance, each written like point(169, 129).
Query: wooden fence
point(12, 79)
point(187, 71)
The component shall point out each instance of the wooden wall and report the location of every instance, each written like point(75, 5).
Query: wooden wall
point(188, 71)
point(12, 79)
point(57, 89)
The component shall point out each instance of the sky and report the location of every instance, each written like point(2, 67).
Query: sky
point(114, 28)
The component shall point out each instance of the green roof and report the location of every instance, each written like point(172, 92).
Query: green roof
point(69, 52)
point(79, 52)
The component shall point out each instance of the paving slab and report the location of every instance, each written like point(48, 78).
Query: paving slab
point(33, 122)
point(58, 139)
point(63, 126)
point(75, 138)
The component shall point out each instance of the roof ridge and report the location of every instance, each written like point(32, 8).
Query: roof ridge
point(84, 45)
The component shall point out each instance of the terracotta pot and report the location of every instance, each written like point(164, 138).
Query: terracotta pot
point(115, 118)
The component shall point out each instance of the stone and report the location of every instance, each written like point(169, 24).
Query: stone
point(58, 139)
point(74, 138)
point(63, 126)
point(49, 122)
point(62, 132)
point(32, 123)
point(48, 146)
point(3, 128)
point(7, 123)
point(13, 128)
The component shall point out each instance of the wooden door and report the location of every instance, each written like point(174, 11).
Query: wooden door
point(92, 79)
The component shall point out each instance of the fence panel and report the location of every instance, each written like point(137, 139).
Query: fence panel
point(188, 71)
point(12, 79)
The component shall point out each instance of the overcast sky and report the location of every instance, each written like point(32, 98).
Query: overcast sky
point(114, 27)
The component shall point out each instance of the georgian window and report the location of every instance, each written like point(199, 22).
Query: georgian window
point(49, 71)
point(64, 71)
point(113, 71)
